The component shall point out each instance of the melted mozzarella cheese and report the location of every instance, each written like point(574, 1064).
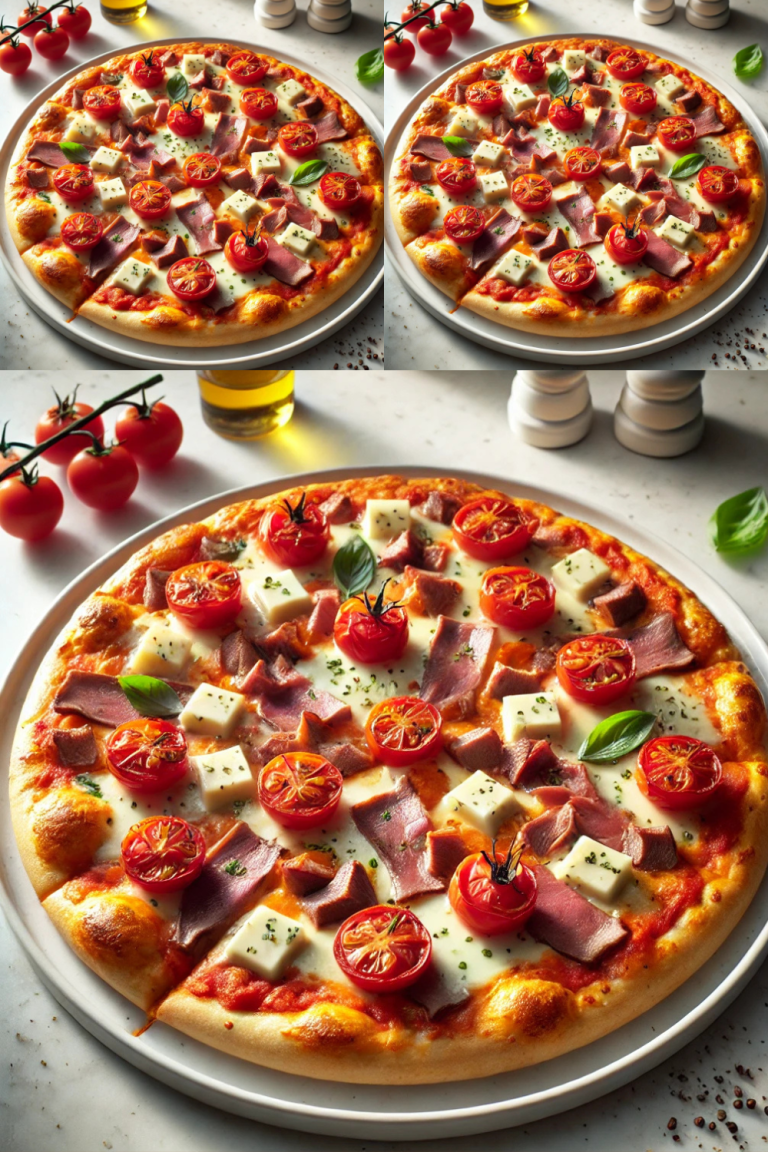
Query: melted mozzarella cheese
point(127, 808)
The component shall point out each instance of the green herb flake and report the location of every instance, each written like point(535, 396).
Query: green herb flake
point(88, 784)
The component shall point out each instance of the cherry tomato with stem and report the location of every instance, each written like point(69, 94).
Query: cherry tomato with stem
point(247, 251)
point(102, 102)
point(298, 138)
point(147, 71)
point(294, 535)
point(398, 52)
point(566, 113)
point(458, 16)
point(717, 184)
point(75, 19)
point(59, 416)
point(29, 13)
point(339, 190)
point(492, 529)
point(531, 192)
point(191, 278)
point(626, 243)
point(82, 231)
point(150, 199)
point(51, 43)
point(186, 118)
point(403, 730)
point(435, 39)
point(151, 431)
point(625, 64)
point(528, 66)
point(300, 789)
point(371, 631)
point(383, 948)
point(202, 169)
point(15, 57)
point(103, 476)
point(258, 103)
point(457, 175)
point(678, 772)
point(205, 595)
point(572, 270)
point(147, 754)
point(639, 99)
point(412, 10)
point(30, 505)
point(246, 68)
point(493, 895)
point(518, 598)
point(485, 97)
point(163, 854)
point(582, 163)
point(463, 224)
point(74, 182)
point(596, 669)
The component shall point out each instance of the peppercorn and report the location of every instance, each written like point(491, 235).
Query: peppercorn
point(672, 1124)
point(751, 1103)
point(698, 1121)
point(721, 1113)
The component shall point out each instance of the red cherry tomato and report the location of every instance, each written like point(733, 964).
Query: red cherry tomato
point(485, 96)
point(491, 895)
point(191, 278)
point(383, 948)
point(403, 730)
point(15, 58)
point(81, 231)
point(519, 598)
point(371, 631)
point(596, 669)
point(638, 98)
point(258, 103)
point(147, 755)
point(582, 163)
point(29, 13)
point(150, 199)
point(300, 789)
point(246, 252)
point(678, 772)
point(625, 64)
point(201, 169)
point(297, 138)
point(464, 223)
point(398, 53)
point(626, 244)
point(677, 133)
point(492, 529)
point(572, 270)
point(205, 595)
point(30, 508)
point(457, 175)
point(412, 10)
point(246, 68)
point(718, 184)
point(528, 66)
point(55, 419)
point(458, 16)
point(102, 102)
point(163, 854)
point(294, 535)
point(147, 71)
point(531, 192)
point(186, 119)
point(339, 190)
point(75, 20)
point(74, 182)
point(51, 43)
point(103, 478)
point(435, 39)
point(152, 433)
point(566, 114)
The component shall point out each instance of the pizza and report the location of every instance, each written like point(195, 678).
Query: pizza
point(577, 185)
point(197, 194)
point(322, 781)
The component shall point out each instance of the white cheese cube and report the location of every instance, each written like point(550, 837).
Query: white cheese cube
point(280, 597)
point(112, 193)
point(163, 651)
point(488, 153)
point(106, 160)
point(573, 58)
point(133, 275)
point(241, 205)
point(513, 267)
point(598, 871)
point(290, 91)
point(192, 64)
point(212, 711)
point(581, 573)
point(265, 162)
point(644, 156)
point(669, 86)
point(493, 185)
point(137, 102)
point(80, 129)
point(299, 240)
point(519, 97)
point(464, 123)
point(384, 519)
point(223, 777)
point(266, 943)
point(481, 801)
point(677, 231)
point(621, 198)
point(532, 714)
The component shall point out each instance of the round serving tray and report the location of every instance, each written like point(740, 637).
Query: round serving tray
point(389, 1113)
point(573, 350)
point(138, 353)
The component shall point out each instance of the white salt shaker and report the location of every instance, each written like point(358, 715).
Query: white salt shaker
point(550, 408)
point(660, 413)
point(708, 13)
point(329, 15)
point(275, 13)
point(654, 11)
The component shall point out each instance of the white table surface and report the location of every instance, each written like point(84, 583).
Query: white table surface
point(60, 1090)
point(26, 341)
point(415, 339)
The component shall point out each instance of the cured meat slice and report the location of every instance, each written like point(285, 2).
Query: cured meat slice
point(504, 681)
point(49, 153)
point(551, 831)
point(228, 137)
point(338, 509)
point(284, 710)
point(329, 128)
point(689, 101)
point(348, 892)
point(609, 128)
point(310, 106)
point(174, 250)
point(431, 147)
point(457, 656)
point(535, 767)
point(665, 258)
point(197, 216)
point(238, 655)
point(154, 588)
point(567, 922)
point(621, 603)
point(600, 820)
point(495, 238)
point(320, 626)
point(430, 594)
point(116, 243)
point(284, 266)
point(596, 95)
point(420, 171)
point(620, 172)
point(555, 241)
point(707, 122)
point(446, 848)
point(303, 875)
point(95, 697)
point(76, 747)
point(651, 849)
point(396, 824)
point(478, 750)
point(579, 211)
point(659, 647)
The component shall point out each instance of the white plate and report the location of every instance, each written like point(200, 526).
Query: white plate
point(422, 1112)
point(570, 350)
point(138, 353)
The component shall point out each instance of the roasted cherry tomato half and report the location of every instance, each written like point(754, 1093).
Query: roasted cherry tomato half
point(678, 771)
point(596, 669)
point(339, 190)
point(147, 71)
point(186, 119)
point(383, 949)
point(493, 895)
point(294, 535)
point(457, 176)
point(403, 730)
point(102, 102)
point(201, 169)
point(639, 99)
point(150, 199)
point(518, 598)
point(625, 64)
point(463, 224)
point(572, 270)
point(246, 68)
point(626, 244)
point(74, 182)
point(191, 278)
point(300, 789)
point(718, 184)
point(566, 114)
point(247, 251)
point(205, 595)
point(75, 20)
point(81, 231)
point(491, 529)
point(582, 163)
point(677, 133)
point(297, 138)
point(258, 103)
point(531, 192)
point(371, 631)
point(485, 96)
point(147, 755)
point(528, 66)
point(412, 10)
point(163, 854)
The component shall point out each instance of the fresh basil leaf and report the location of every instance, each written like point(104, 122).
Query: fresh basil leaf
point(741, 523)
point(748, 62)
point(687, 166)
point(458, 146)
point(149, 696)
point(177, 88)
point(88, 784)
point(617, 735)
point(558, 82)
point(354, 566)
point(370, 67)
point(308, 172)
point(75, 153)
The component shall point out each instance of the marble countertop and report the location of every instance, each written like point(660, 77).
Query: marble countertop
point(60, 1090)
point(26, 341)
point(416, 339)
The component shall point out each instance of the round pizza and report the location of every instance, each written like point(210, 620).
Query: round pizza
point(577, 185)
point(198, 194)
point(392, 781)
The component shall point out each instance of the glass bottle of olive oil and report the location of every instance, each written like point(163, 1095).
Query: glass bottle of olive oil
point(505, 9)
point(123, 11)
point(246, 404)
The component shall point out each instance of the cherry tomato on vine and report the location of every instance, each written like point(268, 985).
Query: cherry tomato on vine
point(403, 730)
point(51, 43)
point(678, 771)
point(163, 853)
point(491, 895)
point(625, 64)
point(147, 71)
point(458, 16)
point(59, 416)
point(147, 754)
point(596, 669)
point(27, 14)
point(626, 243)
point(103, 477)
point(371, 631)
point(519, 598)
point(247, 251)
point(528, 66)
point(412, 10)
point(464, 223)
point(300, 789)
point(572, 270)
point(15, 57)
point(492, 529)
point(30, 506)
point(398, 52)
point(75, 19)
point(383, 948)
point(435, 39)
point(152, 433)
point(205, 595)
point(294, 535)
point(102, 102)
point(718, 184)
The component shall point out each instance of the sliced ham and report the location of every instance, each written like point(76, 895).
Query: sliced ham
point(174, 250)
point(596, 96)
point(665, 258)
point(603, 223)
point(689, 101)
point(257, 144)
point(542, 106)
point(549, 54)
point(460, 94)
point(445, 849)
point(551, 831)
point(228, 136)
point(555, 241)
point(116, 242)
point(526, 147)
point(238, 655)
point(320, 626)
point(599, 53)
point(37, 177)
point(396, 824)
point(478, 751)
point(620, 172)
point(429, 594)
point(534, 767)
point(286, 267)
point(214, 101)
point(49, 153)
point(504, 681)
point(153, 240)
point(579, 211)
point(162, 108)
point(406, 548)
point(496, 237)
point(420, 171)
point(325, 229)
point(350, 891)
point(707, 122)
point(303, 875)
point(275, 220)
point(282, 641)
point(633, 139)
point(169, 58)
point(222, 230)
point(266, 185)
point(348, 758)
point(600, 820)
point(241, 179)
point(310, 106)
point(582, 75)
point(76, 747)
point(622, 603)
point(553, 175)
point(609, 128)
point(431, 147)
point(154, 588)
point(266, 679)
point(175, 184)
point(651, 849)
point(457, 657)
point(219, 58)
point(534, 234)
point(501, 125)
point(653, 213)
point(658, 647)
point(284, 711)
point(95, 697)
point(567, 922)
point(641, 178)
point(328, 128)
point(338, 509)
point(197, 216)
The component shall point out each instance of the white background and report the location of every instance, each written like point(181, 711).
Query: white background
point(60, 1090)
